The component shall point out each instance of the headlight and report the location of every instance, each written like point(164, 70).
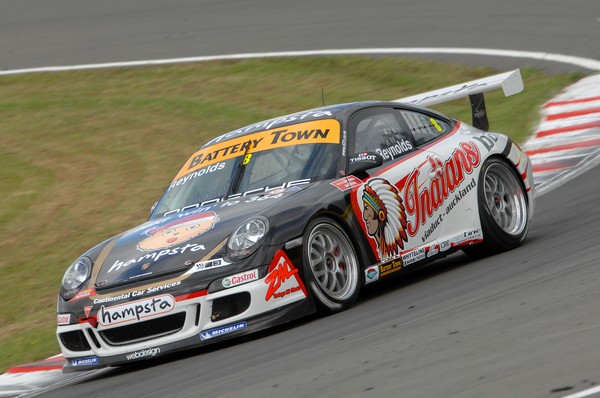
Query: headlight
point(247, 237)
point(76, 274)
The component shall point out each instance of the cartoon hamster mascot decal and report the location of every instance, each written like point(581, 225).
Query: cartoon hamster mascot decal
point(384, 216)
point(178, 231)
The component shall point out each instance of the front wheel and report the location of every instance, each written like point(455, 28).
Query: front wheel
point(503, 209)
point(331, 266)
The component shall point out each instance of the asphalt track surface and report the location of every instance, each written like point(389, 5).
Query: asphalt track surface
point(37, 33)
point(521, 324)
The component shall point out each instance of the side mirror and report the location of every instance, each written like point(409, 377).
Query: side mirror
point(363, 161)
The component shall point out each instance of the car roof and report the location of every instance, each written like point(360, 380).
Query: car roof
point(338, 111)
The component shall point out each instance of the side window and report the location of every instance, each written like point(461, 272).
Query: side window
point(380, 130)
point(424, 128)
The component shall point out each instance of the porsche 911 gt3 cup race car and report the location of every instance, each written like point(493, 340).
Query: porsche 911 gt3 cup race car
point(279, 219)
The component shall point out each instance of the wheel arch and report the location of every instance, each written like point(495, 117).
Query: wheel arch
point(513, 166)
point(360, 246)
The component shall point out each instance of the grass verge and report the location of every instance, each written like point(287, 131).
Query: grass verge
point(83, 155)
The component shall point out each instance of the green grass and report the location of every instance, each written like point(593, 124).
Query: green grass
point(83, 155)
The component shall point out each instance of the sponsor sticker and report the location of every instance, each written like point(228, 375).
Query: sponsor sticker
point(421, 201)
point(240, 279)
point(197, 173)
point(445, 245)
point(135, 293)
point(177, 232)
point(282, 278)
point(150, 352)
point(371, 274)
point(63, 319)
point(398, 148)
point(433, 250)
point(346, 183)
point(156, 255)
point(135, 310)
point(389, 268)
point(325, 131)
point(206, 265)
point(83, 294)
point(468, 236)
point(384, 217)
point(365, 157)
point(268, 124)
point(209, 334)
point(413, 256)
point(85, 361)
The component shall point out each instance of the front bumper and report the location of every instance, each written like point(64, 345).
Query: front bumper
point(193, 319)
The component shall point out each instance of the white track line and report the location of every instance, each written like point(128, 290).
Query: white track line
point(584, 393)
point(587, 63)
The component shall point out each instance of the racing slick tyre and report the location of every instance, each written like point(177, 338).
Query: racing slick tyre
point(503, 209)
point(331, 266)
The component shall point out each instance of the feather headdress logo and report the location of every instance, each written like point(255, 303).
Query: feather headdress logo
point(384, 216)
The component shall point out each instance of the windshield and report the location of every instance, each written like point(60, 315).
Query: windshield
point(253, 164)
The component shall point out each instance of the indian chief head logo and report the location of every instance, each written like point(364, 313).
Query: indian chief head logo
point(178, 231)
point(384, 216)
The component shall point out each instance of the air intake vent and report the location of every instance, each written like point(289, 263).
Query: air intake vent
point(143, 331)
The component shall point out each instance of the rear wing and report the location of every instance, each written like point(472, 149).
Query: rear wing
point(510, 82)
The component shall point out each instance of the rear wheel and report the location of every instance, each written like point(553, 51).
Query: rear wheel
point(331, 266)
point(503, 209)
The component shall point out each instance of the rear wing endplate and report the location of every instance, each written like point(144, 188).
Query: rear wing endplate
point(510, 82)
